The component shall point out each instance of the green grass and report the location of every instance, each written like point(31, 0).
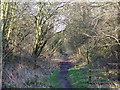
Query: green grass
point(9, 86)
point(53, 79)
point(35, 84)
point(78, 78)
point(49, 82)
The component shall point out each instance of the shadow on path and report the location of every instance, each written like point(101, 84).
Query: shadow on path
point(63, 74)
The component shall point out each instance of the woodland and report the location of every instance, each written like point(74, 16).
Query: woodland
point(60, 44)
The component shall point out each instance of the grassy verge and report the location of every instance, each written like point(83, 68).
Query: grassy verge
point(78, 78)
point(52, 80)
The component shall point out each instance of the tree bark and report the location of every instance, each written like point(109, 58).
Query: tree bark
point(118, 47)
point(1, 48)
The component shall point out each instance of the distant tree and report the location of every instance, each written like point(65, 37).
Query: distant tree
point(45, 20)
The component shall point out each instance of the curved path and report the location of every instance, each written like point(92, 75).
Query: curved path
point(63, 74)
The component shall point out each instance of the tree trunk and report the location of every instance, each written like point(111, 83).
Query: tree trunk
point(1, 48)
point(89, 63)
point(118, 47)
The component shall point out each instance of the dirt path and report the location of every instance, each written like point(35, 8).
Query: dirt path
point(63, 74)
